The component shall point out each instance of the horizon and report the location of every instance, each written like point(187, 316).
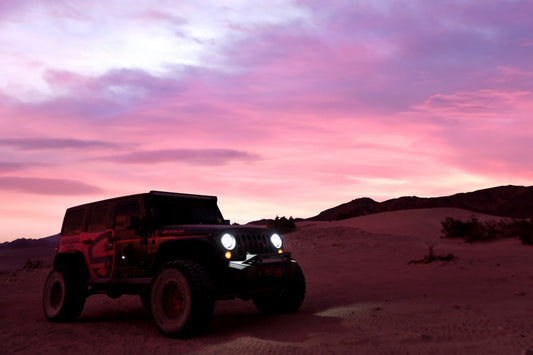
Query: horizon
point(287, 108)
point(298, 217)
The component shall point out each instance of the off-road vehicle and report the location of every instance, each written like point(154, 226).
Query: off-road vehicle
point(176, 252)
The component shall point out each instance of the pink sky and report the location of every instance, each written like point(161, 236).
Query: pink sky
point(285, 108)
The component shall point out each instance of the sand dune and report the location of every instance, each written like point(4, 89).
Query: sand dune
point(363, 297)
point(421, 223)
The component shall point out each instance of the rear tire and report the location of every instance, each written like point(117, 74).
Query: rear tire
point(182, 299)
point(64, 295)
point(286, 299)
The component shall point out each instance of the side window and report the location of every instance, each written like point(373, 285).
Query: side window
point(98, 221)
point(72, 222)
point(126, 209)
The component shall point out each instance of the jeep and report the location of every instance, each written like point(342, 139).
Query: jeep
point(177, 253)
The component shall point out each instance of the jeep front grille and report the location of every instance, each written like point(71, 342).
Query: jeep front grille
point(255, 243)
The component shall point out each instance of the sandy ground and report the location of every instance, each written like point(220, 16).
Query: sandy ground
point(363, 298)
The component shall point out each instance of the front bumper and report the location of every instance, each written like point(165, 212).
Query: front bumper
point(258, 273)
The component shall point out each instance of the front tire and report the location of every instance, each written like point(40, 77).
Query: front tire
point(63, 295)
point(182, 299)
point(287, 299)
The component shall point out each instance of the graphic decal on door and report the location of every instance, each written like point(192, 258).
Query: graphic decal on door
point(101, 254)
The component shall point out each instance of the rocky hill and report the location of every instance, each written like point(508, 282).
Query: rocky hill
point(506, 201)
point(15, 254)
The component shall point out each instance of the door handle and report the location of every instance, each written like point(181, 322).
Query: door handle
point(112, 239)
point(87, 241)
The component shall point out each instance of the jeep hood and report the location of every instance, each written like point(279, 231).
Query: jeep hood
point(210, 229)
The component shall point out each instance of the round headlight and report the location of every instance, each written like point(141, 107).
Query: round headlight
point(276, 241)
point(228, 241)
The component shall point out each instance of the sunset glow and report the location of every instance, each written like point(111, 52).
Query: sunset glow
point(278, 108)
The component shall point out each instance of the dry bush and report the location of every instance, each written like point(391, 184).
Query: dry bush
point(431, 257)
point(282, 225)
point(31, 265)
point(475, 231)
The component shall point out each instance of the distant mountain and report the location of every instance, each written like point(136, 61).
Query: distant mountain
point(13, 255)
point(506, 201)
point(30, 243)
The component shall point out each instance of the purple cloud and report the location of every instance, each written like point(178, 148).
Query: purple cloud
point(43, 186)
point(53, 143)
point(6, 167)
point(12, 7)
point(191, 156)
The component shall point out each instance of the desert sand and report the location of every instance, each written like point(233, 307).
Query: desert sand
point(363, 297)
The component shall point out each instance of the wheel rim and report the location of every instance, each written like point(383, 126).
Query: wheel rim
point(56, 295)
point(173, 300)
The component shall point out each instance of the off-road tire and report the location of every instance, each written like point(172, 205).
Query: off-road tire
point(286, 299)
point(182, 299)
point(64, 295)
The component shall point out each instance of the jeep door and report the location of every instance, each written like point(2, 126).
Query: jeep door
point(98, 239)
point(130, 243)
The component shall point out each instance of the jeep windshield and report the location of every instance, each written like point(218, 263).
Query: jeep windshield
point(169, 210)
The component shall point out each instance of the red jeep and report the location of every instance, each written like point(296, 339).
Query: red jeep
point(176, 252)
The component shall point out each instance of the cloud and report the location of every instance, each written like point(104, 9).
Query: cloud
point(342, 99)
point(53, 143)
point(486, 132)
point(116, 84)
point(13, 7)
point(6, 167)
point(44, 186)
point(191, 156)
point(92, 39)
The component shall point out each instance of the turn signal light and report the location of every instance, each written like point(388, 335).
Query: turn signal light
point(280, 251)
point(228, 255)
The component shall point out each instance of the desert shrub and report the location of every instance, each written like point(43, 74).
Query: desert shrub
point(454, 228)
point(31, 265)
point(523, 229)
point(431, 257)
point(475, 231)
point(282, 225)
point(472, 230)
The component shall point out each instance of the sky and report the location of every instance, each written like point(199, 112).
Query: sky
point(277, 107)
